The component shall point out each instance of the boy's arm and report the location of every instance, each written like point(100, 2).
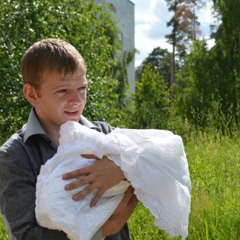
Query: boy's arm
point(121, 214)
point(17, 200)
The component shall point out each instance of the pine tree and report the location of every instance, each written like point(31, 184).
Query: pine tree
point(184, 29)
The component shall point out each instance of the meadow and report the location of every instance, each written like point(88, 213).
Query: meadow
point(214, 164)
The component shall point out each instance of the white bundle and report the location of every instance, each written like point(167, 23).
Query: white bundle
point(153, 161)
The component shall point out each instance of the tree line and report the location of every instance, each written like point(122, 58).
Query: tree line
point(202, 84)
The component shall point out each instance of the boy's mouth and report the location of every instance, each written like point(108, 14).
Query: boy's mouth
point(70, 113)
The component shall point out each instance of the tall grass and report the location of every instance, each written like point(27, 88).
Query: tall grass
point(214, 164)
point(215, 172)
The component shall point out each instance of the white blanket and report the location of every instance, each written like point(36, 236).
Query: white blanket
point(154, 161)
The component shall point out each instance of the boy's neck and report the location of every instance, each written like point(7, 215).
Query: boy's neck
point(52, 132)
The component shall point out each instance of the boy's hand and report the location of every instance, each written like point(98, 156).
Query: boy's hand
point(102, 175)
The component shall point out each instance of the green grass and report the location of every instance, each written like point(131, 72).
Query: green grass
point(214, 165)
point(3, 234)
point(215, 208)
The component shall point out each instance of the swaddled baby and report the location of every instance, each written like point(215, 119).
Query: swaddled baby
point(153, 161)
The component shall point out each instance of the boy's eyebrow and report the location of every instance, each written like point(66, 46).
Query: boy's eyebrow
point(62, 85)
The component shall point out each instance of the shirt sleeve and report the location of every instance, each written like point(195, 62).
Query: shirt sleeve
point(17, 199)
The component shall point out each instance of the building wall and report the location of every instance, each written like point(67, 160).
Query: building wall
point(123, 10)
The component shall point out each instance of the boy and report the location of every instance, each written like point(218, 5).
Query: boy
point(55, 84)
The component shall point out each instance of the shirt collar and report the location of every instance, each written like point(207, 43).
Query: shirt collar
point(34, 127)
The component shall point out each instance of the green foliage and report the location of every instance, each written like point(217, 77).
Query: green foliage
point(227, 55)
point(3, 232)
point(160, 61)
point(151, 101)
point(102, 100)
point(206, 92)
point(92, 31)
point(207, 89)
point(193, 90)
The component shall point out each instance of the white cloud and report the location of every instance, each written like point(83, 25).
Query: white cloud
point(206, 18)
point(151, 19)
point(150, 27)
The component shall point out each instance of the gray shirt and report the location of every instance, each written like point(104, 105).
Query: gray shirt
point(21, 158)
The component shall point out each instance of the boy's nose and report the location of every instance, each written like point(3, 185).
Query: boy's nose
point(76, 97)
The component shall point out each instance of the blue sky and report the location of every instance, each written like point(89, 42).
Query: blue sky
point(150, 25)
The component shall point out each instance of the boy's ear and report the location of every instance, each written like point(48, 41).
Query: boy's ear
point(30, 94)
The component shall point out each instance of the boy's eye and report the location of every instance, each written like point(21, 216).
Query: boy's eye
point(62, 91)
point(82, 88)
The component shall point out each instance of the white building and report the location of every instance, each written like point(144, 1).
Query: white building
point(123, 11)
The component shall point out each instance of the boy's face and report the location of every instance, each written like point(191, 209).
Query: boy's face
point(61, 98)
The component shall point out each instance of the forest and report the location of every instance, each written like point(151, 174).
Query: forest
point(196, 88)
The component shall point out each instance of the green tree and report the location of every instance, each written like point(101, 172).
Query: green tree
point(160, 61)
point(151, 101)
point(85, 25)
point(227, 50)
point(184, 29)
point(207, 90)
point(195, 87)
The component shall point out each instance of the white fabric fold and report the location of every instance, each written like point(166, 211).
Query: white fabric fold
point(154, 161)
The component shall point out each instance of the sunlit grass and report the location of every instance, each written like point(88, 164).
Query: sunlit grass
point(214, 165)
